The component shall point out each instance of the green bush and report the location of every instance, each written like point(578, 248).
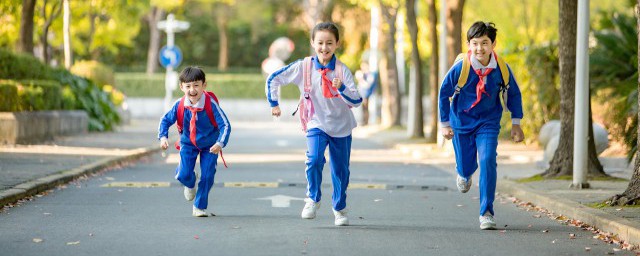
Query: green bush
point(31, 98)
point(51, 93)
point(237, 85)
point(68, 99)
point(21, 66)
point(100, 74)
point(8, 95)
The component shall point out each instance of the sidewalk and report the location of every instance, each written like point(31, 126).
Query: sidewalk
point(28, 170)
point(516, 161)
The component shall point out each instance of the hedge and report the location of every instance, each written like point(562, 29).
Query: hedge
point(239, 85)
point(8, 96)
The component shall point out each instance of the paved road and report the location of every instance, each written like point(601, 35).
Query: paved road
point(397, 207)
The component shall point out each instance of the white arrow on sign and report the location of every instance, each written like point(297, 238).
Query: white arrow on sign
point(280, 200)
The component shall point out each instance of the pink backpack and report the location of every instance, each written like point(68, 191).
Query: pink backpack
point(305, 106)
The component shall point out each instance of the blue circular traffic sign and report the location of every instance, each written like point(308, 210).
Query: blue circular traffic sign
point(170, 56)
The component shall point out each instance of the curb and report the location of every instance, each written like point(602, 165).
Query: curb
point(41, 184)
point(623, 228)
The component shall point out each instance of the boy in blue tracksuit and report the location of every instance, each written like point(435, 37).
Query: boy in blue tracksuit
point(200, 136)
point(471, 115)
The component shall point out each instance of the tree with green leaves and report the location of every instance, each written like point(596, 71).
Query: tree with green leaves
point(433, 71)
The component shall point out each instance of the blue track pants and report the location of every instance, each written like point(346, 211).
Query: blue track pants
point(186, 175)
point(340, 154)
point(471, 149)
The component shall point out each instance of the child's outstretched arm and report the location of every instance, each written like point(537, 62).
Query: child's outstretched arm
point(167, 121)
point(223, 125)
point(290, 74)
point(347, 88)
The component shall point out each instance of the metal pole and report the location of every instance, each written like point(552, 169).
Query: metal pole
point(443, 63)
point(581, 122)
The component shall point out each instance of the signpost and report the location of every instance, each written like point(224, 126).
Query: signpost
point(170, 55)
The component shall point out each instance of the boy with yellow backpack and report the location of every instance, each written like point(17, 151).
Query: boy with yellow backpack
point(471, 109)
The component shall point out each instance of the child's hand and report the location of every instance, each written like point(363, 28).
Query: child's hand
point(337, 83)
point(215, 149)
point(275, 111)
point(447, 132)
point(164, 143)
point(516, 133)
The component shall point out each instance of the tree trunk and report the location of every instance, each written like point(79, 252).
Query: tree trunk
point(454, 29)
point(25, 41)
point(433, 71)
point(562, 161)
point(416, 128)
point(55, 12)
point(594, 166)
point(221, 22)
point(632, 193)
point(391, 101)
point(152, 18)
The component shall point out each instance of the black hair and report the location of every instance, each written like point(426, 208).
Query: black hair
point(328, 26)
point(192, 74)
point(481, 28)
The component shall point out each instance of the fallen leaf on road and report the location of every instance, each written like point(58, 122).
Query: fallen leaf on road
point(91, 234)
point(530, 226)
point(537, 215)
point(47, 213)
point(196, 237)
point(236, 227)
point(554, 241)
point(503, 231)
point(619, 209)
point(37, 240)
point(109, 178)
point(377, 200)
point(617, 249)
point(572, 236)
point(545, 231)
point(460, 205)
point(73, 243)
point(587, 248)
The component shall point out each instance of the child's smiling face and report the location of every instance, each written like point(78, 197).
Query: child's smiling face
point(193, 90)
point(325, 44)
point(481, 48)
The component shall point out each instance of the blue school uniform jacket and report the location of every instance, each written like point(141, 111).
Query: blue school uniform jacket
point(206, 134)
point(458, 113)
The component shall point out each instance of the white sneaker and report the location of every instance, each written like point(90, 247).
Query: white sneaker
point(189, 193)
point(199, 212)
point(310, 208)
point(487, 222)
point(463, 185)
point(341, 218)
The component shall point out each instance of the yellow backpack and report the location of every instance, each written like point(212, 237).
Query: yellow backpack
point(466, 67)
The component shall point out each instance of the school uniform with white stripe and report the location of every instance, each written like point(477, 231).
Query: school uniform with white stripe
point(206, 135)
point(330, 125)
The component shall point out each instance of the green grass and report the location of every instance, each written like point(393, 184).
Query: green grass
point(224, 85)
point(538, 177)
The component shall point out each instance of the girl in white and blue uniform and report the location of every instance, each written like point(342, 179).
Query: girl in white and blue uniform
point(332, 121)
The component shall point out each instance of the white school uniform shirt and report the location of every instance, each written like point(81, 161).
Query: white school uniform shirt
point(332, 115)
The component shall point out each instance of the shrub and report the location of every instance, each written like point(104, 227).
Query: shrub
point(21, 66)
point(8, 95)
point(100, 74)
point(51, 93)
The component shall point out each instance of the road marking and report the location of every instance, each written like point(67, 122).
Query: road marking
point(280, 201)
point(251, 184)
point(367, 186)
point(137, 185)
